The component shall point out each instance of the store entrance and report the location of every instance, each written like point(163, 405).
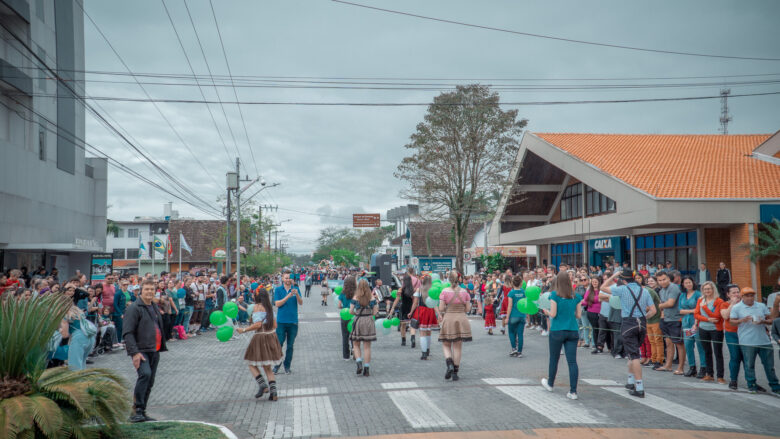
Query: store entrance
point(600, 259)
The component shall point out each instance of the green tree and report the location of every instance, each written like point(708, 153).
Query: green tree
point(112, 229)
point(262, 263)
point(460, 154)
point(494, 262)
point(345, 257)
point(57, 402)
point(768, 246)
point(362, 243)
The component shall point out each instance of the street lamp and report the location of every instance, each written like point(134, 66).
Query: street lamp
point(261, 190)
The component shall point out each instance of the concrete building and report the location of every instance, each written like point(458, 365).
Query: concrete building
point(52, 197)
point(688, 199)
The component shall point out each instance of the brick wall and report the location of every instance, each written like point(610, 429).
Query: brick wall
point(717, 247)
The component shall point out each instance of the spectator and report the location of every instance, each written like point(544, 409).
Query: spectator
point(671, 322)
point(731, 336)
point(702, 274)
point(710, 322)
point(750, 317)
point(723, 278)
point(688, 301)
point(287, 299)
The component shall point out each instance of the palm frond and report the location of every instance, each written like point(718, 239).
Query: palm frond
point(46, 414)
point(17, 416)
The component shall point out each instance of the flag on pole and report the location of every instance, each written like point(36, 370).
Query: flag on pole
point(168, 243)
point(183, 244)
point(159, 246)
point(141, 246)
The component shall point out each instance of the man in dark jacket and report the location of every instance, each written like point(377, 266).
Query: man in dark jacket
point(144, 341)
point(723, 278)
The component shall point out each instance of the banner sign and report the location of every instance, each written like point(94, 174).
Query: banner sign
point(365, 220)
point(218, 254)
point(101, 265)
point(435, 265)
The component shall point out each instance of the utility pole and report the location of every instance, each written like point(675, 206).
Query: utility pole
point(238, 225)
point(232, 184)
point(725, 117)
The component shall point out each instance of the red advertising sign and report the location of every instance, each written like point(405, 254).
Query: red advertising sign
point(365, 220)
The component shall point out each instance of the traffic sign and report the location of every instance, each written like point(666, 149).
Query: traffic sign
point(365, 220)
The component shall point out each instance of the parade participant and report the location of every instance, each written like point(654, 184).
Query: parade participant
point(671, 322)
point(751, 317)
point(405, 297)
point(490, 312)
point(142, 332)
point(81, 334)
point(636, 305)
point(324, 293)
point(516, 323)
point(586, 329)
point(565, 310)
point(425, 316)
point(382, 294)
point(710, 321)
point(592, 306)
point(308, 283)
point(505, 288)
point(345, 299)
point(287, 317)
point(455, 328)
point(690, 327)
point(264, 349)
point(363, 307)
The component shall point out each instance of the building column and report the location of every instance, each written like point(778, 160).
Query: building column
point(632, 243)
point(753, 269)
point(701, 248)
point(585, 253)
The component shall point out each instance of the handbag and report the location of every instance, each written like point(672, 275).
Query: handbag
point(414, 323)
point(88, 328)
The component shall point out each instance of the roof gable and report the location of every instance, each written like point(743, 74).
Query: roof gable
point(678, 166)
point(436, 238)
point(201, 235)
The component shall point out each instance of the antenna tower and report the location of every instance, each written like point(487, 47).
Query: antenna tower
point(725, 118)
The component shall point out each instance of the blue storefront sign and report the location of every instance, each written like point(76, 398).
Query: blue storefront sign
point(605, 250)
point(436, 265)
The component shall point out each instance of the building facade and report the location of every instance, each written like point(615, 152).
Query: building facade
point(589, 199)
point(53, 197)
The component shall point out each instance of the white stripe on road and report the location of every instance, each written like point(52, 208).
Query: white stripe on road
point(305, 391)
point(403, 385)
point(506, 381)
point(555, 407)
point(679, 411)
point(425, 414)
point(763, 399)
point(332, 315)
point(708, 386)
point(314, 416)
point(597, 382)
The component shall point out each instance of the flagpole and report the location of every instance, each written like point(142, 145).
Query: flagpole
point(167, 256)
point(180, 235)
point(140, 242)
point(154, 251)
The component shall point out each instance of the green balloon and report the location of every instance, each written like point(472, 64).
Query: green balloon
point(436, 281)
point(394, 293)
point(523, 287)
point(387, 323)
point(434, 293)
point(217, 318)
point(533, 293)
point(231, 310)
point(396, 321)
point(526, 306)
point(224, 333)
point(446, 285)
point(345, 314)
point(338, 289)
point(349, 325)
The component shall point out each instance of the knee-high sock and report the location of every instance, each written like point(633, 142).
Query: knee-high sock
point(425, 342)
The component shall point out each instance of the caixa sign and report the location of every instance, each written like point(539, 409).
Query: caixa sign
point(602, 244)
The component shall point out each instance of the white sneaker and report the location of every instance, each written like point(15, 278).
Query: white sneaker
point(571, 395)
point(544, 333)
point(546, 386)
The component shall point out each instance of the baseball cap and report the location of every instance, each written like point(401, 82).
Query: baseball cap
point(747, 290)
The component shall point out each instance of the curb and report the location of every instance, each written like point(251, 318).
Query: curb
point(224, 430)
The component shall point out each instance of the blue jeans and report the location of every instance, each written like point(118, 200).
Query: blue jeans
point(205, 323)
point(287, 331)
point(515, 330)
point(79, 347)
point(690, 342)
point(184, 318)
point(735, 354)
point(766, 353)
point(586, 329)
point(117, 318)
point(568, 341)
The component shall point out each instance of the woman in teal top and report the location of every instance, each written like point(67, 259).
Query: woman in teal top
point(345, 299)
point(688, 299)
point(565, 311)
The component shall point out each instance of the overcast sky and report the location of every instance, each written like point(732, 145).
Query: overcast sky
point(340, 160)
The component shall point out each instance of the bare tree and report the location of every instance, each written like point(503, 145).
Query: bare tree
point(461, 154)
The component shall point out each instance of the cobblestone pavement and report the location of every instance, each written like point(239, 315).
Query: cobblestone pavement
point(205, 380)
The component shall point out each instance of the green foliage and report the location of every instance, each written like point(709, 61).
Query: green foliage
point(361, 242)
point(38, 402)
point(345, 257)
point(461, 155)
point(493, 262)
point(167, 430)
point(768, 247)
point(262, 263)
point(112, 228)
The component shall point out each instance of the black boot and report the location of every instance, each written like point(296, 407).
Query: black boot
point(691, 372)
point(413, 343)
point(359, 367)
point(262, 386)
point(701, 373)
point(403, 341)
point(138, 416)
point(365, 372)
point(428, 354)
point(424, 355)
point(455, 373)
point(272, 394)
point(450, 369)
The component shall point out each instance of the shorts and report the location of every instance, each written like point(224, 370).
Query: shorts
point(633, 330)
point(672, 330)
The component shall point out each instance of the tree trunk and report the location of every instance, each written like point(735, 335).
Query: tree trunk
point(459, 249)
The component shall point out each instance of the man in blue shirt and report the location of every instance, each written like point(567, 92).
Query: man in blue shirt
point(751, 317)
point(287, 298)
point(635, 306)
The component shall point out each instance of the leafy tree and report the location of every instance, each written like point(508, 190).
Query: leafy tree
point(112, 229)
point(39, 402)
point(768, 246)
point(460, 154)
point(262, 263)
point(494, 262)
point(362, 243)
point(345, 257)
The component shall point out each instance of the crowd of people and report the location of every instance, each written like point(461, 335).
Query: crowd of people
point(654, 317)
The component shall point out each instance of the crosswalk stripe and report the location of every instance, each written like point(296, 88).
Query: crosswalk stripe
point(332, 315)
point(598, 382)
point(403, 385)
point(506, 381)
point(763, 399)
point(305, 391)
point(708, 386)
point(679, 411)
point(425, 414)
point(314, 416)
point(554, 407)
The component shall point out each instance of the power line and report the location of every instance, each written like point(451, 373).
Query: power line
point(232, 83)
point(550, 37)
point(165, 118)
point(416, 104)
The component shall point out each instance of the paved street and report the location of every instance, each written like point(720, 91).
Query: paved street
point(202, 379)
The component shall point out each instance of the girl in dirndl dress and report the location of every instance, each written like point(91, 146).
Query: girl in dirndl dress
point(490, 313)
point(363, 307)
point(425, 316)
point(264, 349)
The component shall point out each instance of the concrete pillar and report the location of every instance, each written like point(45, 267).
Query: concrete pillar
point(632, 243)
point(753, 269)
point(701, 249)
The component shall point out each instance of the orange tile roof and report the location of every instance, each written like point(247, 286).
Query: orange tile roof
point(678, 166)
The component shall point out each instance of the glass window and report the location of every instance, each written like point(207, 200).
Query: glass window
point(640, 242)
point(692, 238)
point(119, 253)
point(693, 260)
point(603, 202)
point(659, 241)
point(669, 256)
point(132, 233)
point(681, 239)
point(669, 240)
point(659, 257)
point(682, 260)
point(611, 207)
point(132, 253)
